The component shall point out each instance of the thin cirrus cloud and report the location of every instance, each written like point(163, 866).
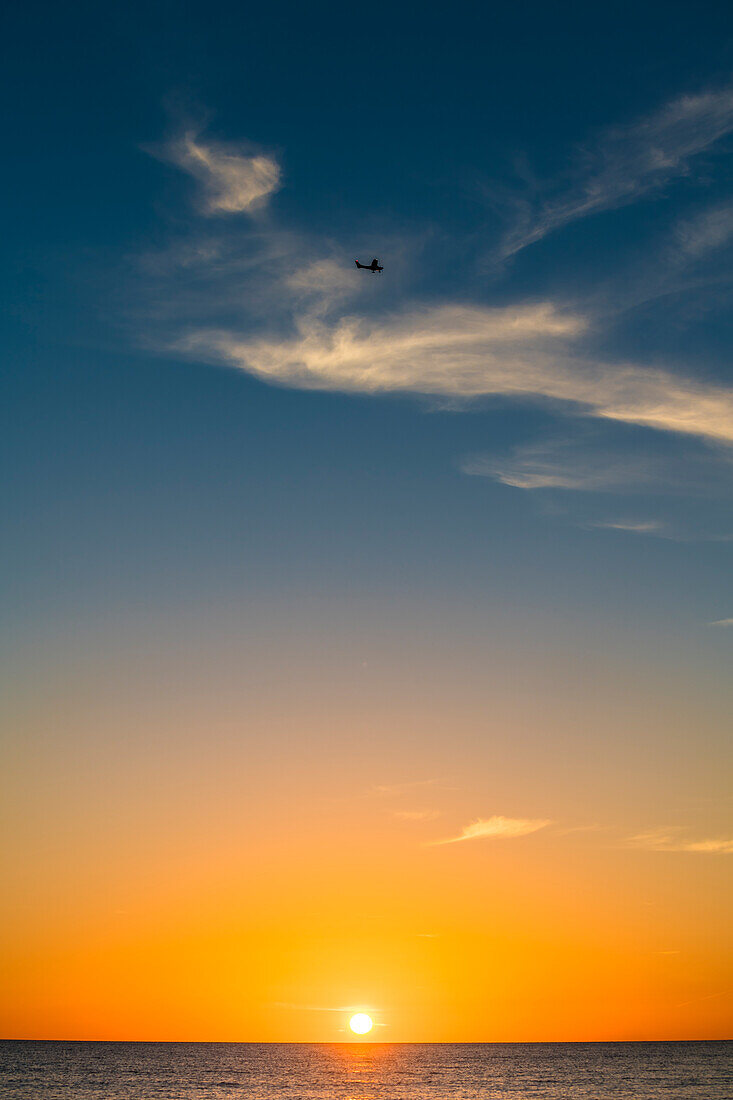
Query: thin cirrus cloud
point(565, 463)
point(591, 464)
point(672, 840)
point(583, 472)
point(523, 351)
point(496, 828)
point(639, 527)
point(722, 622)
point(707, 231)
point(231, 181)
point(527, 351)
point(584, 461)
point(626, 163)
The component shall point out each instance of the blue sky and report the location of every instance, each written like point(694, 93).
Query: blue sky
point(549, 193)
point(520, 434)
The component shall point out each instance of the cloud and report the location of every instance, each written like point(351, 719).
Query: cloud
point(523, 351)
point(672, 840)
point(579, 465)
point(273, 302)
point(707, 997)
point(324, 277)
point(232, 181)
point(716, 845)
point(581, 474)
point(496, 828)
point(703, 529)
point(611, 459)
point(321, 285)
point(640, 527)
point(627, 162)
point(722, 622)
point(706, 232)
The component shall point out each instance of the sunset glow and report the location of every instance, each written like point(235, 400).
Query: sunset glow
point(368, 628)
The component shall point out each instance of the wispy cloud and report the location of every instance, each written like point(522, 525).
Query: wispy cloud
point(709, 230)
point(324, 277)
point(275, 303)
point(565, 463)
point(627, 162)
point(496, 828)
point(705, 997)
point(584, 469)
point(590, 461)
point(522, 351)
point(722, 622)
point(232, 181)
point(639, 527)
point(673, 840)
point(527, 351)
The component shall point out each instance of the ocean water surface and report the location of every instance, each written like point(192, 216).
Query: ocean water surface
point(365, 1071)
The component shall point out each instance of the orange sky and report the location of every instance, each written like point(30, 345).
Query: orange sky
point(208, 857)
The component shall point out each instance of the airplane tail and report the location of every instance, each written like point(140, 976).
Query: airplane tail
point(358, 264)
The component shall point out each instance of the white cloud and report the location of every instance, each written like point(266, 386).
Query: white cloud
point(321, 285)
point(511, 474)
point(232, 181)
point(594, 460)
point(722, 622)
point(711, 229)
point(672, 840)
point(572, 473)
point(496, 828)
point(323, 277)
point(641, 527)
point(468, 351)
point(627, 162)
point(563, 464)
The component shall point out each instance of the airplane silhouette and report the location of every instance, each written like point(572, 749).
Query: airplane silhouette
point(373, 266)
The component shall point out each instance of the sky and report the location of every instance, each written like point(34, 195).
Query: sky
point(367, 636)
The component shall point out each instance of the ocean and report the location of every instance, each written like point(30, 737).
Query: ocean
point(366, 1071)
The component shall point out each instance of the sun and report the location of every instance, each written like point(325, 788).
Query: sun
point(360, 1023)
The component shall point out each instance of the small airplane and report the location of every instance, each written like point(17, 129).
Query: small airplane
point(373, 266)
